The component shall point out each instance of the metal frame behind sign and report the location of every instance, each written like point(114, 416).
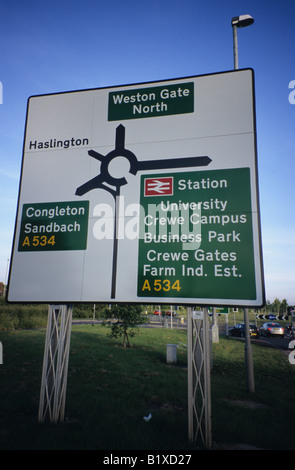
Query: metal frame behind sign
point(199, 382)
point(55, 363)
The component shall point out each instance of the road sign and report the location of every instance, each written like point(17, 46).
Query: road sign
point(141, 193)
point(219, 310)
point(198, 314)
point(271, 317)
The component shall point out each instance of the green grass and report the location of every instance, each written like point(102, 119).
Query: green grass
point(110, 389)
point(263, 418)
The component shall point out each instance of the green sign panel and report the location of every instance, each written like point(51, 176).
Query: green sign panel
point(151, 102)
point(196, 237)
point(219, 310)
point(54, 226)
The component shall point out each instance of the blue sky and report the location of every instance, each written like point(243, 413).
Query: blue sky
point(56, 46)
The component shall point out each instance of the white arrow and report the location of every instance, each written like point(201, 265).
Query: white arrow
point(158, 186)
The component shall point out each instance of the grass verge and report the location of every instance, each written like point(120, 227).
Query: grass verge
point(111, 389)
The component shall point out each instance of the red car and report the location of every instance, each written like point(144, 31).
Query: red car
point(168, 314)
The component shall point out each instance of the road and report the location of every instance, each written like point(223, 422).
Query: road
point(165, 322)
point(278, 343)
point(271, 341)
point(155, 321)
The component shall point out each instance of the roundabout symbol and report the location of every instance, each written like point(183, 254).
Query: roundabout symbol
point(105, 180)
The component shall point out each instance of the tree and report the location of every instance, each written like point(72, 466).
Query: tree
point(284, 307)
point(276, 306)
point(2, 289)
point(123, 319)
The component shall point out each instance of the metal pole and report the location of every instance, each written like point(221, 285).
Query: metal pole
point(235, 41)
point(190, 374)
point(248, 354)
point(6, 279)
point(226, 324)
point(248, 348)
point(215, 330)
point(94, 312)
point(207, 381)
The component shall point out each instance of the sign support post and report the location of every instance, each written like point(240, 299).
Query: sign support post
point(248, 354)
point(55, 363)
point(199, 383)
point(214, 328)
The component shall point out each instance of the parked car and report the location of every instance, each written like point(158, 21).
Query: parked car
point(288, 328)
point(272, 328)
point(239, 330)
point(291, 333)
point(168, 313)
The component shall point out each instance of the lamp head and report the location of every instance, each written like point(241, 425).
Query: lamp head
point(242, 21)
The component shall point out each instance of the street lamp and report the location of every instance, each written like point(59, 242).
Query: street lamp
point(239, 22)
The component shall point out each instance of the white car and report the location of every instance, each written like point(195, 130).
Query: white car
point(271, 328)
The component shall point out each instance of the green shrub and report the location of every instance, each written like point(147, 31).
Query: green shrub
point(26, 316)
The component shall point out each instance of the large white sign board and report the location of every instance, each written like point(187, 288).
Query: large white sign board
point(169, 168)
